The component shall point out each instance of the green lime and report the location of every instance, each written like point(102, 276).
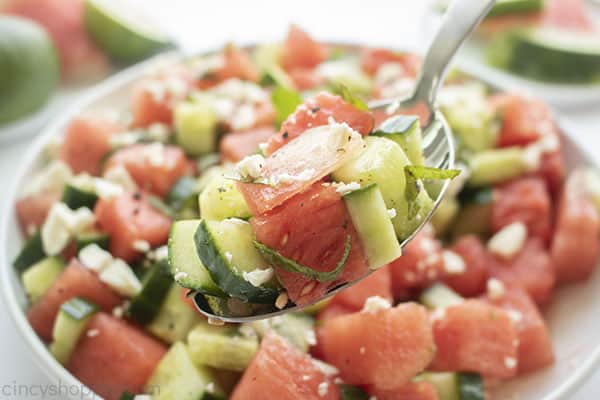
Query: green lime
point(122, 31)
point(29, 68)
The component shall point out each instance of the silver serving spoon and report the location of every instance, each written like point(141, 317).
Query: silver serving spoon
point(461, 18)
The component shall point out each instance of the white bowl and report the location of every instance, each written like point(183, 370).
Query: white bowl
point(572, 316)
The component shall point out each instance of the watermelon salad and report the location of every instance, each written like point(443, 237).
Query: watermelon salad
point(257, 178)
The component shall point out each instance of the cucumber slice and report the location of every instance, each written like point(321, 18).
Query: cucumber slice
point(381, 162)
point(127, 396)
point(85, 239)
point(297, 328)
point(374, 226)
point(455, 385)
point(174, 319)
point(351, 392)
point(508, 7)
point(40, 276)
point(406, 131)
point(221, 199)
point(227, 250)
point(183, 259)
point(439, 296)
point(124, 32)
point(31, 253)
point(75, 197)
point(548, 54)
point(347, 72)
point(267, 58)
point(230, 307)
point(221, 347)
point(155, 288)
point(196, 127)
point(69, 326)
point(176, 377)
point(497, 166)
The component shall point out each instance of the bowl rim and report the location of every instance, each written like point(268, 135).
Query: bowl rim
point(38, 351)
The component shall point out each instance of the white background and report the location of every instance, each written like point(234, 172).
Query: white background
point(199, 24)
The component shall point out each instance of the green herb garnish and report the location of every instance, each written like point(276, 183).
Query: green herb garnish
point(350, 97)
point(285, 102)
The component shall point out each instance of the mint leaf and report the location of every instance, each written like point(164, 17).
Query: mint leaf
point(350, 97)
point(285, 102)
point(430, 173)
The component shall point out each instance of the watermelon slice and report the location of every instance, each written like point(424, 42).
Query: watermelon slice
point(112, 356)
point(311, 229)
point(279, 371)
point(532, 269)
point(86, 141)
point(300, 163)
point(476, 337)
point(33, 210)
point(153, 167)
point(409, 391)
point(372, 59)
point(301, 51)
point(306, 78)
point(377, 284)
point(472, 281)
point(75, 281)
point(384, 348)
point(570, 15)
point(523, 200)
point(524, 120)
point(535, 347)
point(129, 218)
point(318, 111)
point(330, 311)
point(237, 145)
point(575, 248)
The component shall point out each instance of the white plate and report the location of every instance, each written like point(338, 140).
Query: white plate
point(572, 316)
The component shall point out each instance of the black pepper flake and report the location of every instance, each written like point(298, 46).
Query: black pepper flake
point(345, 225)
point(221, 190)
point(137, 196)
point(136, 211)
point(315, 109)
point(285, 135)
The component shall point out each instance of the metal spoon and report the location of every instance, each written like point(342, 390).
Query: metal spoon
point(461, 18)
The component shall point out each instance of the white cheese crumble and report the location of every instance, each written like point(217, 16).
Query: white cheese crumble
point(161, 253)
point(453, 263)
point(392, 213)
point(323, 388)
point(124, 139)
point(52, 178)
point(263, 146)
point(251, 167)
point(306, 378)
point(210, 387)
point(510, 362)
point(515, 315)
point(154, 153)
point(509, 241)
point(141, 245)
point(94, 257)
point(495, 288)
point(106, 189)
point(119, 175)
point(61, 224)
point(286, 178)
point(244, 117)
point(388, 73)
point(180, 276)
point(142, 397)
point(310, 337)
point(92, 333)
point(345, 188)
point(120, 277)
point(228, 256)
point(438, 314)
point(376, 303)
point(281, 300)
point(118, 312)
point(259, 277)
point(326, 369)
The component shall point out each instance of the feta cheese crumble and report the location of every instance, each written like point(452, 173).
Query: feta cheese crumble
point(251, 167)
point(119, 276)
point(141, 245)
point(453, 263)
point(281, 300)
point(94, 257)
point(376, 303)
point(180, 276)
point(63, 223)
point(93, 333)
point(310, 337)
point(507, 242)
point(495, 289)
point(118, 175)
point(323, 388)
point(259, 277)
point(345, 188)
point(52, 178)
point(510, 362)
point(392, 213)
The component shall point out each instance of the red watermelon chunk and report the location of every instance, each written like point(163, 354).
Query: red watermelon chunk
point(318, 111)
point(420, 264)
point(384, 348)
point(154, 167)
point(237, 64)
point(535, 347)
point(372, 59)
point(552, 171)
point(237, 145)
point(523, 200)
point(475, 337)
point(115, 358)
point(568, 14)
point(472, 281)
point(330, 311)
point(301, 51)
point(409, 391)
point(377, 284)
point(306, 78)
point(311, 229)
point(130, 218)
point(86, 141)
point(302, 162)
point(575, 247)
point(532, 269)
point(75, 281)
point(279, 371)
point(33, 210)
point(524, 120)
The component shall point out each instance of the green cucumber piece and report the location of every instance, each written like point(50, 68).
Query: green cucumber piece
point(509, 7)
point(196, 127)
point(346, 72)
point(548, 54)
point(373, 224)
point(440, 296)
point(31, 253)
point(69, 325)
point(39, 277)
point(230, 307)
point(183, 257)
point(297, 328)
point(176, 377)
point(182, 198)
point(455, 385)
point(174, 318)
point(127, 396)
point(475, 215)
point(267, 58)
point(85, 239)
point(227, 250)
point(274, 258)
point(220, 200)
point(497, 166)
point(406, 131)
point(285, 101)
point(351, 392)
point(221, 347)
point(156, 283)
point(75, 197)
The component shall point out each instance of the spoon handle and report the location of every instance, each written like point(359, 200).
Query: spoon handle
point(460, 19)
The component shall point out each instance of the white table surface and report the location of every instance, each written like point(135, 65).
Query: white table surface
point(199, 25)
